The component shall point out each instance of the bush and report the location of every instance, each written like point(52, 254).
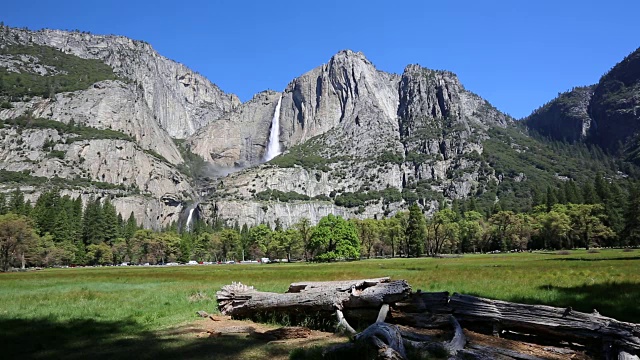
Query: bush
point(278, 195)
point(82, 132)
point(56, 154)
point(75, 73)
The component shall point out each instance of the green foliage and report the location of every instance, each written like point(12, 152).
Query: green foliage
point(17, 240)
point(307, 155)
point(58, 154)
point(416, 231)
point(390, 157)
point(269, 195)
point(73, 73)
point(362, 198)
point(193, 165)
point(510, 152)
point(137, 303)
point(81, 132)
point(156, 155)
point(334, 239)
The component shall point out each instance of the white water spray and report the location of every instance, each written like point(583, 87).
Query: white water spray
point(273, 147)
point(188, 224)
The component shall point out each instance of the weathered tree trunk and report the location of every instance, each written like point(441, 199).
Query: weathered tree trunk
point(547, 320)
point(551, 322)
point(393, 303)
point(312, 297)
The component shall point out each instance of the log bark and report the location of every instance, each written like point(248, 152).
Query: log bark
point(385, 339)
point(566, 324)
point(315, 297)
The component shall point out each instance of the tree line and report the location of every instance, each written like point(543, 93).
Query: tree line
point(60, 230)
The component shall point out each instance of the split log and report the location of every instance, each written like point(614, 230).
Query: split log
point(451, 347)
point(239, 300)
point(343, 324)
point(385, 339)
point(566, 324)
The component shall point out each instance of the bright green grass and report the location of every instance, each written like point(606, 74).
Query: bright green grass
point(132, 303)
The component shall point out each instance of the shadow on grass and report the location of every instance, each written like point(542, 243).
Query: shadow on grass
point(88, 339)
point(596, 259)
point(616, 300)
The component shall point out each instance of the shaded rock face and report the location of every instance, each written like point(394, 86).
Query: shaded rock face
point(239, 138)
point(348, 94)
point(615, 107)
point(565, 117)
point(180, 100)
point(105, 105)
point(606, 114)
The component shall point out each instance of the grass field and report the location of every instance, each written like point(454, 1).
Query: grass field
point(116, 312)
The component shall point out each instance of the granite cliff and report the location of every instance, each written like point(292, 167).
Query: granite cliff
point(106, 116)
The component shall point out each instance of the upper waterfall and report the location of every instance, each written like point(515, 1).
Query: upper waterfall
point(273, 147)
point(189, 219)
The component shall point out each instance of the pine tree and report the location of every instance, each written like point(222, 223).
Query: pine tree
point(3, 204)
point(130, 227)
point(416, 231)
point(16, 204)
point(109, 222)
point(63, 230)
point(602, 188)
point(589, 195)
point(92, 223)
point(631, 233)
point(560, 195)
point(572, 194)
point(76, 218)
point(47, 210)
point(550, 198)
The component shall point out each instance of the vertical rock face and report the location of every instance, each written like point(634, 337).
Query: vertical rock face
point(565, 117)
point(239, 138)
point(615, 107)
point(427, 95)
point(105, 105)
point(351, 129)
point(606, 114)
point(348, 94)
point(180, 100)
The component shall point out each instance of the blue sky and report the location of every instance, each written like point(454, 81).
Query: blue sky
point(516, 54)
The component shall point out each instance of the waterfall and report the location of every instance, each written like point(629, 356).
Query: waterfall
point(187, 226)
point(273, 147)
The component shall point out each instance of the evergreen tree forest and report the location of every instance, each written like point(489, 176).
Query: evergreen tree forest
point(59, 230)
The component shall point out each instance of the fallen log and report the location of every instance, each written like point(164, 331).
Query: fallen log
point(557, 324)
point(239, 300)
point(565, 324)
point(393, 303)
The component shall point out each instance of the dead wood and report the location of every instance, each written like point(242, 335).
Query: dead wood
point(239, 300)
point(394, 305)
point(565, 324)
point(284, 333)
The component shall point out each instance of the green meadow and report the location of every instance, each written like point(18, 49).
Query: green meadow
point(118, 312)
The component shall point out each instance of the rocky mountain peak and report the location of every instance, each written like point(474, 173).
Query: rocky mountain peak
point(344, 56)
point(182, 101)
